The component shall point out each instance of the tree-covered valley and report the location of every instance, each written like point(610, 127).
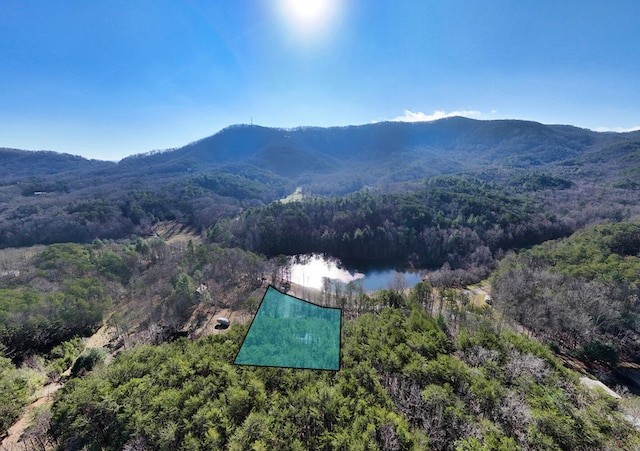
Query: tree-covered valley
point(148, 251)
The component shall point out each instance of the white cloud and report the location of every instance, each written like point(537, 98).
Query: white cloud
point(418, 116)
point(618, 129)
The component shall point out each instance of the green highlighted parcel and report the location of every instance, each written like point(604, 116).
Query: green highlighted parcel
point(292, 333)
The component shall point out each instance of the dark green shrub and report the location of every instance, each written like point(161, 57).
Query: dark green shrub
point(597, 351)
point(87, 361)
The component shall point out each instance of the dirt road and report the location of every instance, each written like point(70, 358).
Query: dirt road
point(45, 395)
point(478, 295)
point(12, 441)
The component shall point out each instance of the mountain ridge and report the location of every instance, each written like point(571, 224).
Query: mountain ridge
point(353, 156)
point(311, 129)
point(457, 144)
point(48, 197)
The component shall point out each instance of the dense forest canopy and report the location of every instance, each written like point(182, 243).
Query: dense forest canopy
point(461, 221)
point(404, 384)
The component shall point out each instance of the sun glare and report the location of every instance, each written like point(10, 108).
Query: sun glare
point(307, 11)
point(308, 17)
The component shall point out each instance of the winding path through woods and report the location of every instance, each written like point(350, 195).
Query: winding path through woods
point(102, 337)
point(45, 396)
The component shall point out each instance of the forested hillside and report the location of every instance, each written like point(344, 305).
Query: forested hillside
point(146, 291)
point(406, 383)
point(460, 379)
point(65, 290)
point(581, 295)
point(48, 198)
point(464, 222)
point(147, 252)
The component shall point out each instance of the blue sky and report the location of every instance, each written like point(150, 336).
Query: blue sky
point(107, 79)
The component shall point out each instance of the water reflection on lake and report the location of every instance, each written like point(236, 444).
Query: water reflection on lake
point(311, 270)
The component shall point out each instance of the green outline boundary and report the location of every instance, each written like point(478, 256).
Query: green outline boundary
point(292, 367)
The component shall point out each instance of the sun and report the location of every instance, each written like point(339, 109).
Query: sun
point(307, 11)
point(308, 17)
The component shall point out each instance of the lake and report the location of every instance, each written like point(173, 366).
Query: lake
point(310, 270)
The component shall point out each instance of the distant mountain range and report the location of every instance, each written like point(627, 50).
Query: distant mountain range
point(249, 165)
point(449, 145)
